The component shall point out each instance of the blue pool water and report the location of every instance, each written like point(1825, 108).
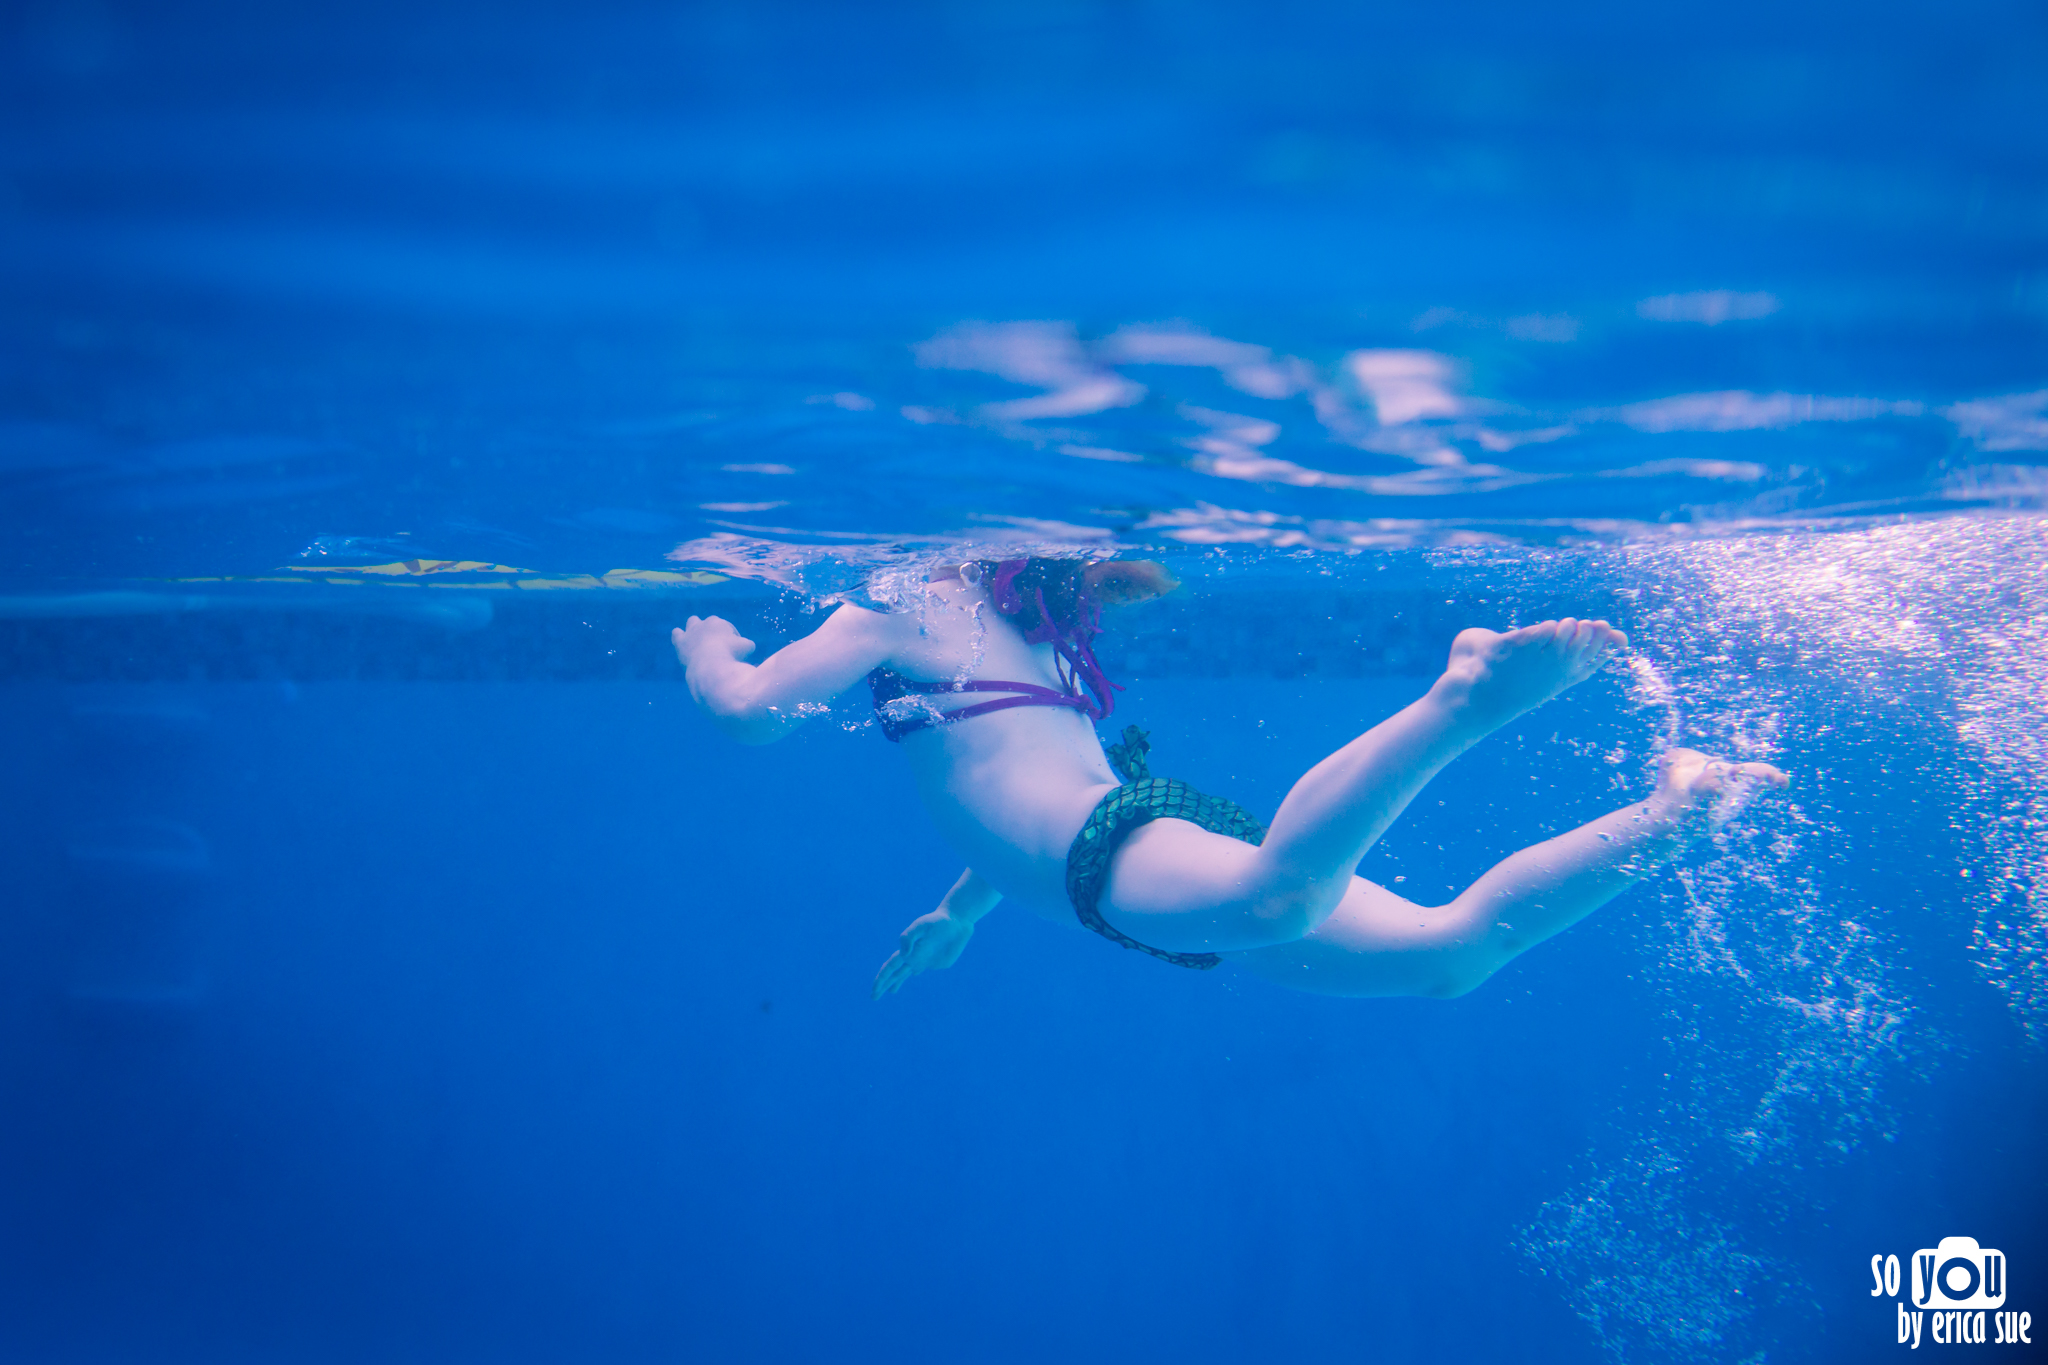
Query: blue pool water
point(393, 964)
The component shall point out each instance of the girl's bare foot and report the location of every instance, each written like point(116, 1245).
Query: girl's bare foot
point(1696, 787)
point(1493, 677)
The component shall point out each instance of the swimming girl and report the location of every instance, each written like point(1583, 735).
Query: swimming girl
point(992, 690)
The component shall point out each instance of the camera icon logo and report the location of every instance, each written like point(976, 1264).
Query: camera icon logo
point(1958, 1274)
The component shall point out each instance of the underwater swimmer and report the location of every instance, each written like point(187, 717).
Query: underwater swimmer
point(1018, 781)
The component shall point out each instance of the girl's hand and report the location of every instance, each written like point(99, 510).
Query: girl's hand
point(931, 942)
point(710, 636)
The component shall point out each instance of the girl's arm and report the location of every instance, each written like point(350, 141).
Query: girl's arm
point(757, 704)
point(936, 940)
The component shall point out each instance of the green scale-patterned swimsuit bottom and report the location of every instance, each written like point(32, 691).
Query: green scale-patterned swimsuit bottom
point(1123, 810)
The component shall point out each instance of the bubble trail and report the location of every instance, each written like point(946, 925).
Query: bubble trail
point(1882, 664)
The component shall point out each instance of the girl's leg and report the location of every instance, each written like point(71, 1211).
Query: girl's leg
point(1173, 885)
point(1379, 944)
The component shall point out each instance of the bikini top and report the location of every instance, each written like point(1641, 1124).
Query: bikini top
point(1069, 632)
point(889, 686)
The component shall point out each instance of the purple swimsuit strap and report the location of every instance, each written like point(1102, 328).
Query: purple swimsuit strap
point(1032, 695)
point(940, 689)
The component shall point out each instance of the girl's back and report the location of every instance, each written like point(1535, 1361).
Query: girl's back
point(1009, 789)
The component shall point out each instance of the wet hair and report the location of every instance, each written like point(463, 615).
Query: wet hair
point(1049, 601)
point(1019, 587)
